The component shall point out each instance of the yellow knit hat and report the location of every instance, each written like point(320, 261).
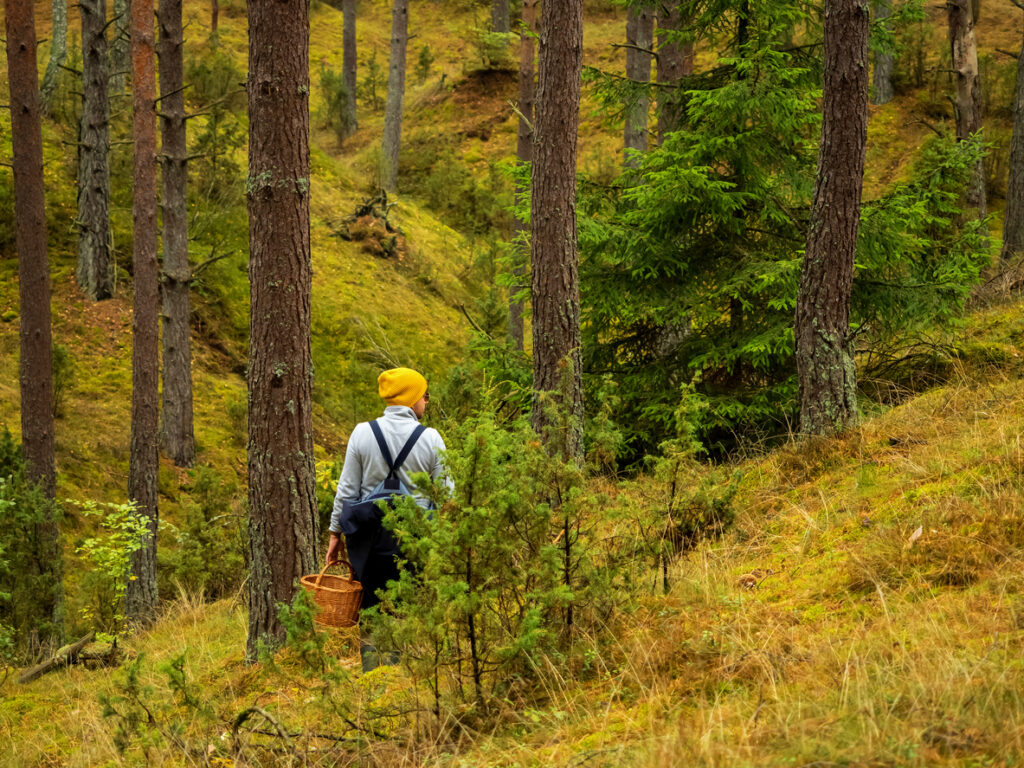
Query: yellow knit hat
point(401, 386)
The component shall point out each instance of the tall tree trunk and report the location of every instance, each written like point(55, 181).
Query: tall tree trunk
point(639, 39)
point(120, 48)
point(93, 269)
point(671, 67)
point(1013, 221)
point(284, 523)
point(35, 364)
point(500, 16)
point(825, 369)
point(176, 429)
point(58, 53)
point(882, 90)
point(555, 292)
point(144, 461)
point(524, 155)
point(349, 62)
point(396, 90)
point(968, 89)
point(214, 20)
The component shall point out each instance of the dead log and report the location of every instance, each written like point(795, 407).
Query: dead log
point(65, 656)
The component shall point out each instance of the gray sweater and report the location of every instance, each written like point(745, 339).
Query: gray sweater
point(365, 468)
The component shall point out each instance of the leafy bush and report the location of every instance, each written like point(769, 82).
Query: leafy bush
point(122, 531)
point(212, 541)
point(335, 115)
point(504, 573)
point(30, 572)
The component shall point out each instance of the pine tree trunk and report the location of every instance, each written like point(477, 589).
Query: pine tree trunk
point(349, 61)
point(825, 369)
point(500, 16)
point(968, 89)
point(120, 48)
point(396, 90)
point(35, 364)
point(144, 464)
point(284, 523)
point(176, 429)
point(214, 20)
point(671, 67)
point(524, 155)
point(555, 292)
point(882, 91)
point(93, 269)
point(639, 38)
point(58, 53)
point(1013, 221)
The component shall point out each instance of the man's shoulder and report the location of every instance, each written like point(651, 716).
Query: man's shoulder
point(433, 437)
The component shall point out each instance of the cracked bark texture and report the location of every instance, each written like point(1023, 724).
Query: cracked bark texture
point(93, 270)
point(176, 433)
point(1013, 222)
point(349, 61)
point(675, 61)
point(283, 520)
point(639, 38)
point(58, 53)
point(144, 460)
point(555, 292)
point(882, 91)
point(35, 372)
point(396, 90)
point(524, 155)
point(964, 50)
point(825, 369)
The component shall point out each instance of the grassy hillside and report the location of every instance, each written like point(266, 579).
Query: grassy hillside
point(864, 609)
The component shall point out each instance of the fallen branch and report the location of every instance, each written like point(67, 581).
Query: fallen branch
point(64, 657)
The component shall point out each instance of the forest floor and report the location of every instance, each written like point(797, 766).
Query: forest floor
point(867, 608)
point(885, 624)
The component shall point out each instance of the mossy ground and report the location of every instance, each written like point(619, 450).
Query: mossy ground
point(863, 642)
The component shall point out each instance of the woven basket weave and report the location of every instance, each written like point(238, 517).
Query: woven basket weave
point(338, 597)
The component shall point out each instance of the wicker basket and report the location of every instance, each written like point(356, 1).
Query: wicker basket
point(338, 597)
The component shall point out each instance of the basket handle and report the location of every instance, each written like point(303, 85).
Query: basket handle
point(342, 558)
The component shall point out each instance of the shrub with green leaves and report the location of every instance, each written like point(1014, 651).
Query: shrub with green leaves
point(335, 92)
point(503, 574)
point(212, 540)
point(690, 265)
point(121, 532)
point(30, 574)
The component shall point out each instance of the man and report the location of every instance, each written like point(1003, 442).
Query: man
point(394, 446)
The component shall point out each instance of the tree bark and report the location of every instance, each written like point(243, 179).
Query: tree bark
point(58, 53)
point(349, 61)
point(93, 268)
point(35, 364)
point(500, 21)
point(672, 59)
point(524, 155)
point(144, 462)
point(639, 38)
point(968, 89)
point(555, 293)
point(176, 433)
point(120, 49)
point(1013, 221)
point(825, 369)
point(284, 523)
point(214, 20)
point(396, 90)
point(882, 90)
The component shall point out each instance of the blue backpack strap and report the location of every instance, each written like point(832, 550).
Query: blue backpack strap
point(407, 448)
point(395, 465)
point(383, 446)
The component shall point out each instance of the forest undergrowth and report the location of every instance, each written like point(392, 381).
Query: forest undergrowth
point(864, 608)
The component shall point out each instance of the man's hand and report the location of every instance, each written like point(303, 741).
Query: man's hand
point(332, 548)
